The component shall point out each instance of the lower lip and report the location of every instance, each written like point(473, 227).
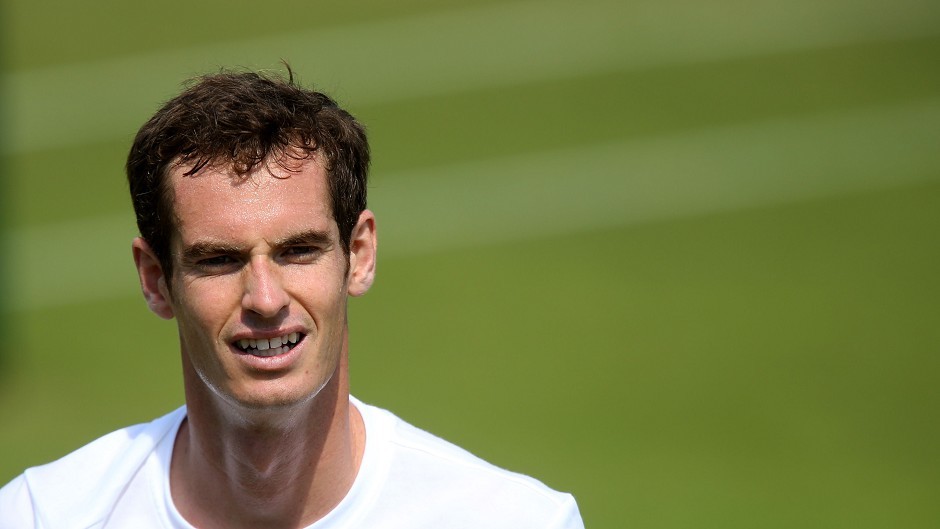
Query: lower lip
point(270, 363)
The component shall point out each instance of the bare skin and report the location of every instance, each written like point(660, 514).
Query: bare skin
point(270, 439)
point(255, 475)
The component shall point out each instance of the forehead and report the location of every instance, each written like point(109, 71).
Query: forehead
point(269, 201)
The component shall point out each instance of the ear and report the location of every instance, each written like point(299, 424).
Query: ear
point(362, 247)
point(152, 281)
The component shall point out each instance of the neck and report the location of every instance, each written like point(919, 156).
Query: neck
point(263, 468)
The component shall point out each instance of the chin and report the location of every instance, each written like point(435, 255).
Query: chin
point(277, 395)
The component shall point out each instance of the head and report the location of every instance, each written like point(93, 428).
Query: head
point(239, 121)
point(250, 196)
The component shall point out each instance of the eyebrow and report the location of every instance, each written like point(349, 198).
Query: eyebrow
point(312, 237)
point(202, 249)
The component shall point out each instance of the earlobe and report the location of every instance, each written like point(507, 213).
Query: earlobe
point(152, 281)
point(362, 252)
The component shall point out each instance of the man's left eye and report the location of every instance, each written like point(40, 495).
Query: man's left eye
point(301, 252)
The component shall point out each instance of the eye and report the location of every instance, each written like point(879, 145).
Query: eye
point(217, 263)
point(217, 260)
point(302, 254)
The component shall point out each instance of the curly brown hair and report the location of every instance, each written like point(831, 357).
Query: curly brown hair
point(241, 120)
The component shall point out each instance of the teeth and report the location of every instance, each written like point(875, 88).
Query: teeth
point(273, 351)
point(269, 347)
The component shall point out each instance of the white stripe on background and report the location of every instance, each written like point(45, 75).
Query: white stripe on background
point(501, 44)
point(553, 193)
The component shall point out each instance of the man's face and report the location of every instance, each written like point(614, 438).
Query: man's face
point(260, 282)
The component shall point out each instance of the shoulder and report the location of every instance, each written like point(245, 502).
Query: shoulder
point(76, 490)
point(16, 510)
point(428, 470)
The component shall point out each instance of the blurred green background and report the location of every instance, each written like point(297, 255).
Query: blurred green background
point(678, 258)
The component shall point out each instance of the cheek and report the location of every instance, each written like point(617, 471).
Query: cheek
point(322, 295)
point(205, 305)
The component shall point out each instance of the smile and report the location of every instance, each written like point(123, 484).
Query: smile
point(269, 346)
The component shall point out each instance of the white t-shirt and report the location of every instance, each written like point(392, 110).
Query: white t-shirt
point(408, 478)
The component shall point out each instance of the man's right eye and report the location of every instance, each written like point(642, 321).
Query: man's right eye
point(218, 261)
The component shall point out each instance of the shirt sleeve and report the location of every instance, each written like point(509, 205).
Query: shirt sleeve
point(16, 506)
point(568, 517)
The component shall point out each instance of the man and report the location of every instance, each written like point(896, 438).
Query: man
point(250, 196)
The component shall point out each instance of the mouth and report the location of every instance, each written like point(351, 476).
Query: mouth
point(265, 347)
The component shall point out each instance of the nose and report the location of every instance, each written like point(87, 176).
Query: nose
point(264, 291)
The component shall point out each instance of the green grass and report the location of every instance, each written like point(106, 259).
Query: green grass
point(694, 283)
point(774, 361)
